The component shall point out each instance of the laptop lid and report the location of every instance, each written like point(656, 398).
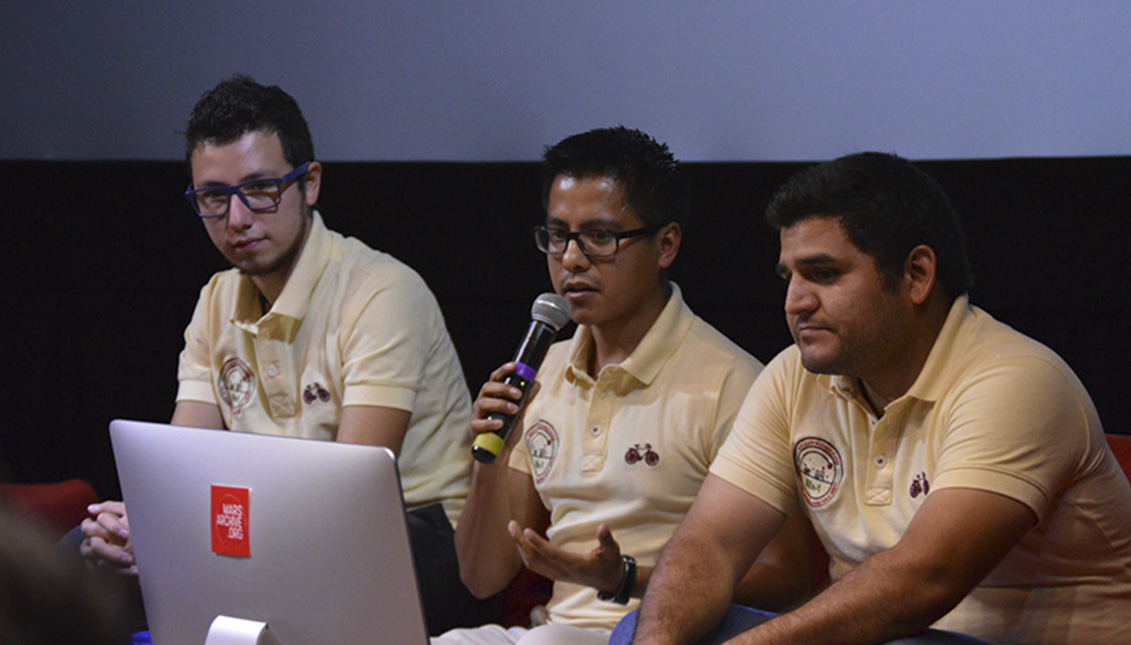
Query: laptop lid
point(307, 536)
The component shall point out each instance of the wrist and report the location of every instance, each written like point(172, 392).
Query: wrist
point(627, 584)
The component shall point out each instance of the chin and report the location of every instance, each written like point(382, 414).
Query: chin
point(819, 364)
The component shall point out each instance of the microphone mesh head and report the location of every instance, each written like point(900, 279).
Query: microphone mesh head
point(551, 309)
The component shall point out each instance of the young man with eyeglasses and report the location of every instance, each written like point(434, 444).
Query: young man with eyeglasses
point(312, 334)
point(611, 449)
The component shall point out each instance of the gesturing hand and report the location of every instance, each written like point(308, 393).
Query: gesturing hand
point(600, 568)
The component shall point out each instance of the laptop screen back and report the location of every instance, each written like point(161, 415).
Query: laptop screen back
point(307, 536)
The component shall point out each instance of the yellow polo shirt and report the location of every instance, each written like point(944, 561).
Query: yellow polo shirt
point(991, 410)
point(631, 448)
point(353, 326)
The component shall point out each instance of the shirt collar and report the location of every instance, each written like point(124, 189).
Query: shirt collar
point(290, 307)
point(931, 382)
point(654, 350)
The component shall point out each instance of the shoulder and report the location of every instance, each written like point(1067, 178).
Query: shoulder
point(366, 272)
point(994, 355)
point(707, 349)
point(223, 286)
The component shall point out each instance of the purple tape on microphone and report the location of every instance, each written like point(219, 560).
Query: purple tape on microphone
point(525, 371)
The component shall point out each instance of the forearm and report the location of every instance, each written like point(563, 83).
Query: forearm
point(782, 577)
point(955, 539)
point(884, 598)
point(685, 596)
point(487, 556)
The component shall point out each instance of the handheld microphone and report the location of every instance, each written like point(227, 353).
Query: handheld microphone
point(550, 312)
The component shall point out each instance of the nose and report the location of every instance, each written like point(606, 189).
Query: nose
point(572, 258)
point(239, 215)
point(799, 298)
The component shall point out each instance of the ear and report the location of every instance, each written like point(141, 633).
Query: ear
point(669, 239)
point(919, 273)
point(313, 184)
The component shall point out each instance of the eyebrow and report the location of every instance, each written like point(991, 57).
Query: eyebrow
point(820, 259)
point(598, 224)
point(246, 178)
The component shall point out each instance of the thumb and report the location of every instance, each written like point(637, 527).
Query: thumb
point(605, 537)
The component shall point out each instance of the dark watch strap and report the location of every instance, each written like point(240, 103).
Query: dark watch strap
point(627, 583)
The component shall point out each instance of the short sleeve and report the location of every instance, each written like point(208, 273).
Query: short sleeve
point(194, 369)
point(756, 456)
point(393, 323)
point(1017, 428)
point(732, 391)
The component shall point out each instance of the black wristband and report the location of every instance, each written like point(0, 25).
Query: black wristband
point(627, 583)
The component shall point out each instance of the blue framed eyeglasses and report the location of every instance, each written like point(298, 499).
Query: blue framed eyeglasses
point(259, 195)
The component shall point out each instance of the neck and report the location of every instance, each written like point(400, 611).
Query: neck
point(896, 376)
point(615, 342)
point(271, 284)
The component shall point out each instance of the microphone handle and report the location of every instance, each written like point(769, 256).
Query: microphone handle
point(528, 359)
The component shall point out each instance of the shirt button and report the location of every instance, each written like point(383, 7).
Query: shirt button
point(272, 371)
point(880, 461)
point(594, 431)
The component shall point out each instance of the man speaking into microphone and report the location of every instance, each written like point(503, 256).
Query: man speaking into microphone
point(626, 417)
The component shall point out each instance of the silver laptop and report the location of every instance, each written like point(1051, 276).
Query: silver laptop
point(306, 536)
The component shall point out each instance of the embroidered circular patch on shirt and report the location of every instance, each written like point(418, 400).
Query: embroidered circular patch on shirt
point(236, 384)
point(821, 470)
point(542, 443)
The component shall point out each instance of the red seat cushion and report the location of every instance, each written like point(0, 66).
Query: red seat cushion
point(61, 506)
point(1121, 446)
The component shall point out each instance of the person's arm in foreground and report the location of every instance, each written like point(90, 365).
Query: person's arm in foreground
point(782, 575)
point(106, 533)
point(715, 545)
point(498, 496)
point(955, 539)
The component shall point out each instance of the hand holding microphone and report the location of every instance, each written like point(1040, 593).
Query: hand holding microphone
point(549, 313)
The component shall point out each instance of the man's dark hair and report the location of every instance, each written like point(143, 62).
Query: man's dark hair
point(887, 206)
point(653, 185)
point(239, 105)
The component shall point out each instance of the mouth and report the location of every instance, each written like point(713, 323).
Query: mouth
point(245, 244)
point(577, 289)
point(806, 331)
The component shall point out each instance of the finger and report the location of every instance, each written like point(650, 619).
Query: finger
point(107, 506)
point(498, 390)
point(113, 525)
point(110, 553)
point(484, 407)
point(502, 371)
point(536, 541)
point(91, 528)
point(516, 533)
point(605, 536)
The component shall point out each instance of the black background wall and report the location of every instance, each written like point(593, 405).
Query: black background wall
point(102, 262)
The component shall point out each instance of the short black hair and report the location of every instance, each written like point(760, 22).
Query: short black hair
point(648, 173)
point(887, 207)
point(239, 105)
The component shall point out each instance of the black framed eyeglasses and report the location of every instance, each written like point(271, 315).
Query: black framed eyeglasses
point(259, 195)
point(594, 244)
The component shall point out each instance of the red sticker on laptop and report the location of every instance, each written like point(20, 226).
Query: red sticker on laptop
point(230, 524)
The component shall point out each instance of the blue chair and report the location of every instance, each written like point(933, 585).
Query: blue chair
point(740, 619)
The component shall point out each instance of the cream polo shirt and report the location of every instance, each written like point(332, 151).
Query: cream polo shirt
point(631, 448)
point(352, 326)
point(991, 410)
